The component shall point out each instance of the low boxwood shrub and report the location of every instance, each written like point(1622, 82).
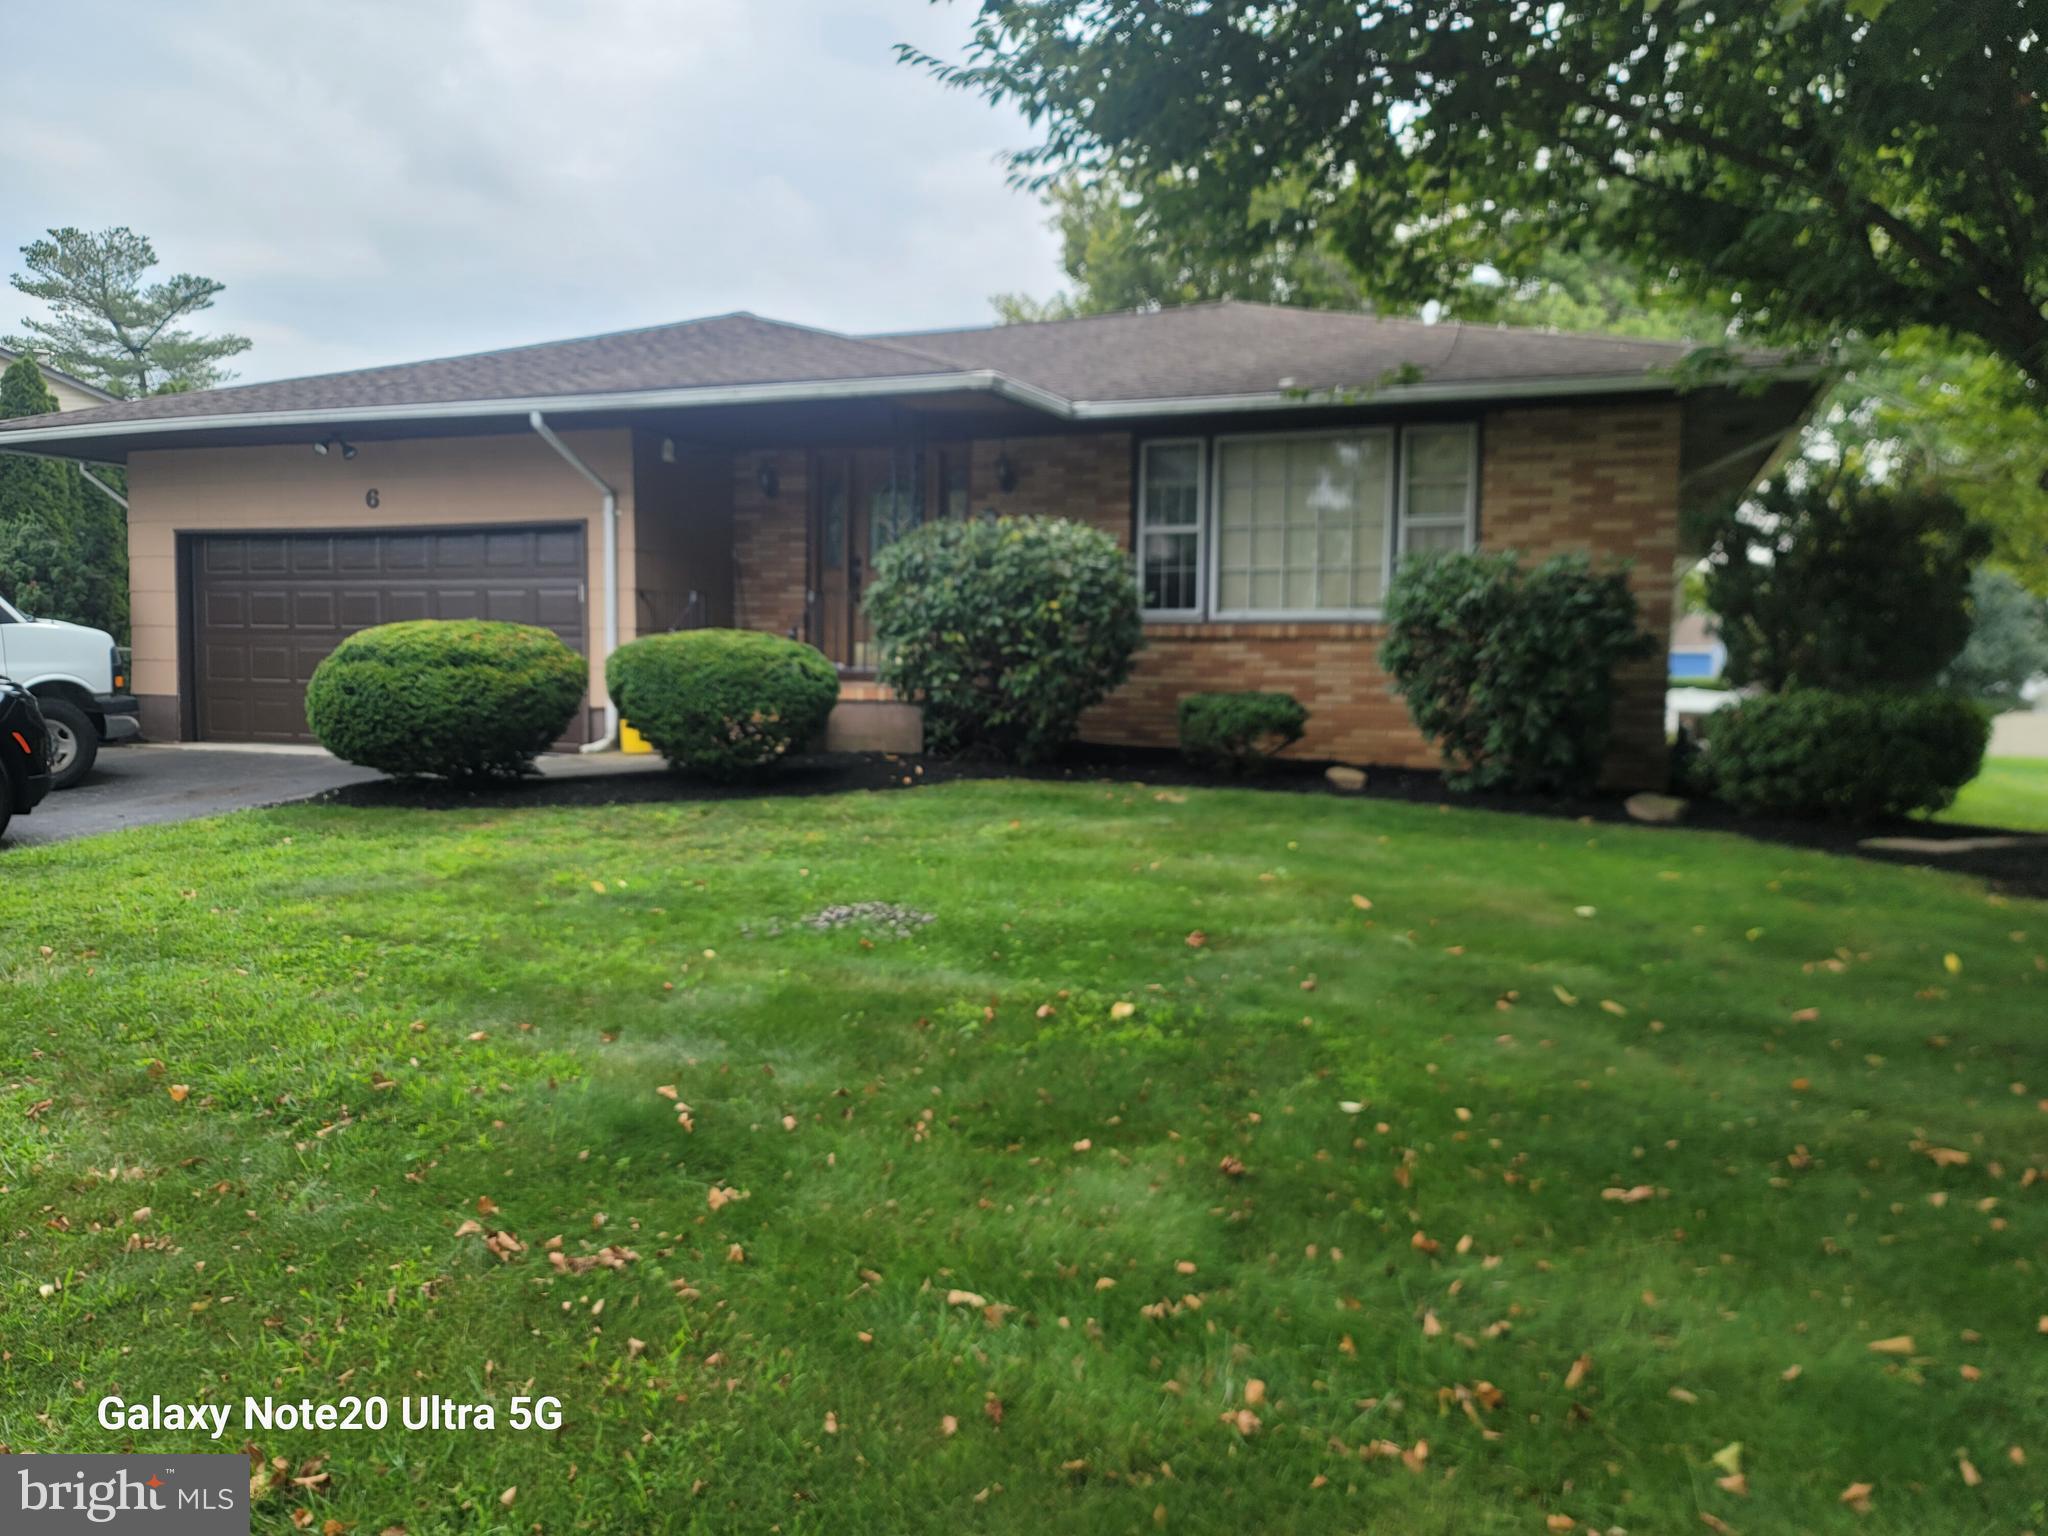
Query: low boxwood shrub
point(1006, 630)
point(457, 698)
point(1239, 731)
point(722, 703)
point(1510, 668)
point(1850, 756)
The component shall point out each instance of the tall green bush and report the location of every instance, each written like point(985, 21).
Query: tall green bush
point(1004, 631)
point(1510, 668)
point(1850, 756)
point(457, 698)
point(723, 703)
point(1839, 583)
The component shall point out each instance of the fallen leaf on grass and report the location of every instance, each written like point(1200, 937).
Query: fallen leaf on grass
point(1857, 1497)
point(178, 1092)
point(1902, 1344)
point(509, 1495)
point(1581, 1368)
point(1122, 1010)
point(964, 1299)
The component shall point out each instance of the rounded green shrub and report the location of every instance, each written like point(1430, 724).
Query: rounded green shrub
point(1005, 630)
point(1510, 668)
point(458, 698)
point(1849, 756)
point(1239, 731)
point(723, 703)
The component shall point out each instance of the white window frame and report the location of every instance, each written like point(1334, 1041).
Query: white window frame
point(1471, 521)
point(1200, 528)
point(1304, 615)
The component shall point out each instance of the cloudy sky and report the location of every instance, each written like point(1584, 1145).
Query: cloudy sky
point(395, 179)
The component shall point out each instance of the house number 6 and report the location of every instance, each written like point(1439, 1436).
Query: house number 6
point(370, 497)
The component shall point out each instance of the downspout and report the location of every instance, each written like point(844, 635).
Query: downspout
point(610, 516)
point(96, 480)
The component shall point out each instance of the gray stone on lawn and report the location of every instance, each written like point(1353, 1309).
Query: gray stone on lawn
point(1347, 779)
point(1662, 809)
point(1938, 847)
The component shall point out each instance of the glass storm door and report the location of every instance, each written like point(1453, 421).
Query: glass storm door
point(866, 500)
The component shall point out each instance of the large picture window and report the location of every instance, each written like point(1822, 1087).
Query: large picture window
point(1301, 525)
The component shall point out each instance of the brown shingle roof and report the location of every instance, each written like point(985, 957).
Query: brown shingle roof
point(725, 349)
point(1195, 352)
point(1234, 348)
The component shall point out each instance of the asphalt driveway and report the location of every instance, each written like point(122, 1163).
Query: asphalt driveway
point(139, 785)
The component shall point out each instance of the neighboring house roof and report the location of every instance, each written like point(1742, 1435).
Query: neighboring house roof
point(59, 381)
point(1210, 356)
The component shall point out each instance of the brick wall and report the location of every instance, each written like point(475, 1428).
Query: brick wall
point(1602, 480)
point(1087, 477)
point(1596, 477)
point(1599, 478)
point(771, 566)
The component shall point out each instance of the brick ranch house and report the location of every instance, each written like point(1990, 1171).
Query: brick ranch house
point(1267, 467)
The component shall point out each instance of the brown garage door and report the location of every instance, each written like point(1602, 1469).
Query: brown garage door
point(266, 608)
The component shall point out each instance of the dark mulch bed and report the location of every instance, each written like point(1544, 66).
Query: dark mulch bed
point(2020, 870)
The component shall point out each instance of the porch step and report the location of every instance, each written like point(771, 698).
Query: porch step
point(865, 690)
point(874, 725)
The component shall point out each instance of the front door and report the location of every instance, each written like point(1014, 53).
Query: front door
point(866, 499)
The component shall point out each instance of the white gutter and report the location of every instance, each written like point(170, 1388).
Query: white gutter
point(610, 516)
point(982, 380)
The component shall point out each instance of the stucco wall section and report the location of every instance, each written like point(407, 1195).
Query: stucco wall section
point(420, 483)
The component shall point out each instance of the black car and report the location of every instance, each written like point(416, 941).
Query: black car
point(24, 752)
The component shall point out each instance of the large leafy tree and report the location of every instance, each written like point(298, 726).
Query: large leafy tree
point(1833, 167)
point(1119, 254)
point(110, 327)
point(1922, 405)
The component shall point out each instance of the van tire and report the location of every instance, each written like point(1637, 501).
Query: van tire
point(83, 747)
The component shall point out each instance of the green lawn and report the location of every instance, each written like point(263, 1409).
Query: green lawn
point(1580, 1155)
point(2010, 792)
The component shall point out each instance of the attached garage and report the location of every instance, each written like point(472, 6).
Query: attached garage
point(266, 608)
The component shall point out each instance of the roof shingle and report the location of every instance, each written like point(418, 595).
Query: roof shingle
point(1194, 352)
